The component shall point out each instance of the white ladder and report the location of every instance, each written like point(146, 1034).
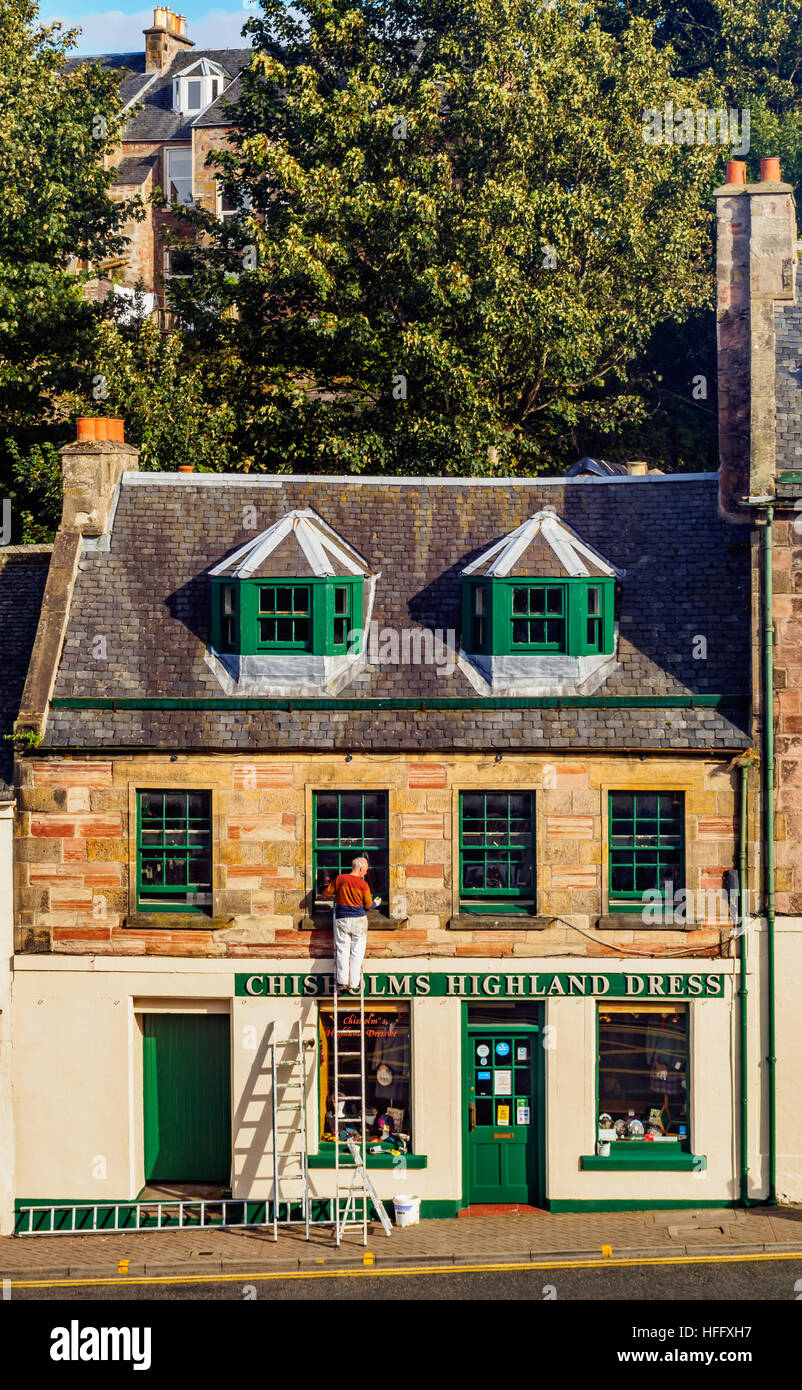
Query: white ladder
point(360, 1190)
point(292, 1073)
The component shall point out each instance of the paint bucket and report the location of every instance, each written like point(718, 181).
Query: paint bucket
point(407, 1210)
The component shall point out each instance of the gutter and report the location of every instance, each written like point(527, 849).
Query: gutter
point(557, 702)
point(743, 924)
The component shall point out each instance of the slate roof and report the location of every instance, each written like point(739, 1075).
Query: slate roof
point(686, 578)
point(133, 172)
point(155, 120)
point(23, 572)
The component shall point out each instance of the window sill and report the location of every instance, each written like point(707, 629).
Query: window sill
point(325, 1159)
point(506, 921)
point(627, 920)
point(627, 1157)
point(175, 921)
point(376, 922)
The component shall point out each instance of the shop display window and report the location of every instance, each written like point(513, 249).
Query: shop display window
point(387, 1077)
point(643, 1075)
point(497, 852)
point(348, 825)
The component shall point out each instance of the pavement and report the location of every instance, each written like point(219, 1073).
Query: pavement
point(475, 1239)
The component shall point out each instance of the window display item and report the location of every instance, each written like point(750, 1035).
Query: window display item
point(635, 1129)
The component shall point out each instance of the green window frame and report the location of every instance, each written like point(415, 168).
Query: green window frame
point(174, 851)
point(497, 852)
point(572, 616)
point(538, 618)
point(286, 616)
point(638, 1047)
point(646, 831)
point(345, 826)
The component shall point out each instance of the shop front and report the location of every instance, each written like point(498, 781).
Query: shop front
point(537, 1085)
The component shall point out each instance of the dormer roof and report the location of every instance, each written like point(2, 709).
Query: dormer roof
point(543, 545)
point(300, 544)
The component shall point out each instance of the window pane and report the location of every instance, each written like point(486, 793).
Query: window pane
point(645, 844)
point(594, 602)
point(267, 600)
point(643, 1069)
point(520, 600)
point(354, 823)
point(283, 600)
point(193, 96)
point(496, 850)
point(340, 600)
point(174, 848)
point(479, 601)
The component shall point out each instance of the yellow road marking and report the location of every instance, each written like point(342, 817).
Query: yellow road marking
point(211, 1278)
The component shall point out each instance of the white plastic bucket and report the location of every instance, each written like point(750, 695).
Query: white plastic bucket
point(407, 1210)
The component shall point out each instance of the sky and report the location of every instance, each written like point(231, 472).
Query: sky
point(120, 30)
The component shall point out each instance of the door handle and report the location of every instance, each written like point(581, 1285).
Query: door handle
point(471, 1115)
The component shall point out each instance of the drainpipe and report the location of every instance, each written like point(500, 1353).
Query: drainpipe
point(768, 700)
point(743, 923)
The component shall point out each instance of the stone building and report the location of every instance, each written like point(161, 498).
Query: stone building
point(535, 705)
point(173, 96)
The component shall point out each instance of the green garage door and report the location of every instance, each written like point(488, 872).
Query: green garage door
point(187, 1097)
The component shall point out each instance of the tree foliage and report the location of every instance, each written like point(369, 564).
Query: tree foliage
point(458, 238)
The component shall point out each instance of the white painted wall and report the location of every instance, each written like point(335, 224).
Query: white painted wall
point(79, 1087)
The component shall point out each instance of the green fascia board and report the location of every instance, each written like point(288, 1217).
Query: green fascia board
point(326, 1159)
point(436, 703)
point(651, 1158)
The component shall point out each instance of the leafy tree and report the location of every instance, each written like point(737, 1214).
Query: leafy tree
point(55, 127)
point(458, 241)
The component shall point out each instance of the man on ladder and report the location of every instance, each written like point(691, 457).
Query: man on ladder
point(352, 901)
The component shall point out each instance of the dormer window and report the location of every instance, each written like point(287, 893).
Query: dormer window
point(538, 611)
point(528, 616)
point(197, 87)
point(255, 616)
point(289, 609)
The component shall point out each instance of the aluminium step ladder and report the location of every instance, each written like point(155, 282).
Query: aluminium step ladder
point(288, 1076)
point(351, 1204)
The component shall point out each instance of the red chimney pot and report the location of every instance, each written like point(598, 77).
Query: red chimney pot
point(770, 171)
point(736, 171)
point(186, 468)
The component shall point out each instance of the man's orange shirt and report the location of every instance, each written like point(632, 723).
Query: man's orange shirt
point(351, 892)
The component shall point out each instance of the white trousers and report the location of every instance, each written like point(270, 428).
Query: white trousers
point(350, 941)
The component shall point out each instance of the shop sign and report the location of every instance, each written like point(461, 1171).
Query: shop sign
point(500, 985)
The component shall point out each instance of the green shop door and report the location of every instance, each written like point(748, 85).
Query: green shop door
point(187, 1097)
point(502, 1116)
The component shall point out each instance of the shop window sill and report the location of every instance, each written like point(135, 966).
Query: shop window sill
point(325, 1159)
point(376, 922)
point(507, 921)
point(175, 921)
point(629, 1157)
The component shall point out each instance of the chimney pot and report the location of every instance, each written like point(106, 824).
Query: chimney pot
point(770, 171)
point(638, 468)
point(736, 171)
point(186, 468)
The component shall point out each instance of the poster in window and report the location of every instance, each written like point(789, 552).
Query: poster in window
point(503, 1081)
point(502, 1114)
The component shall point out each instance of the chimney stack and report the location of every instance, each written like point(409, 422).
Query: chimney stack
point(91, 469)
point(756, 273)
point(166, 37)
